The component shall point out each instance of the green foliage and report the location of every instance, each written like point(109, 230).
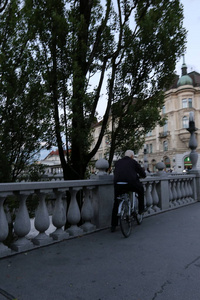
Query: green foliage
point(24, 104)
point(32, 172)
point(62, 54)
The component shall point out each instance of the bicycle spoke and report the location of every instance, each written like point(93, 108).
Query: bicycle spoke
point(125, 220)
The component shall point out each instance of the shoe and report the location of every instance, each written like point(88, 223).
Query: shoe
point(142, 211)
point(113, 228)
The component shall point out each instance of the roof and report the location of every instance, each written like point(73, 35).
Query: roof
point(195, 76)
point(185, 80)
point(54, 153)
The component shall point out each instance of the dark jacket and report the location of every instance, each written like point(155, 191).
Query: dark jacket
point(128, 170)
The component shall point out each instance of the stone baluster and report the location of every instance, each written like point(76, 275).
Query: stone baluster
point(59, 217)
point(155, 197)
point(74, 215)
point(4, 250)
point(42, 221)
point(183, 190)
point(178, 192)
point(145, 193)
point(187, 190)
point(174, 193)
point(87, 211)
point(22, 226)
point(149, 198)
point(171, 204)
point(190, 190)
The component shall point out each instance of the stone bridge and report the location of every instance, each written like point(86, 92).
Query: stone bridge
point(44, 208)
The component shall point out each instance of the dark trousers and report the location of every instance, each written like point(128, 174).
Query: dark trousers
point(138, 189)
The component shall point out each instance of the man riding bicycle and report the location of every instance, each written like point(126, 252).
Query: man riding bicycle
point(127, 169)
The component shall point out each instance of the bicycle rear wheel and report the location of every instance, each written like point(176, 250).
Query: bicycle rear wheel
point(125, 220)
point(139, 218)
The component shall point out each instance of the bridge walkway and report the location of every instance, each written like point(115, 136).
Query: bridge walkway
point(159, 261)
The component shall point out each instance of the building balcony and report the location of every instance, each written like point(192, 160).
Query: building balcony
point(164, 134)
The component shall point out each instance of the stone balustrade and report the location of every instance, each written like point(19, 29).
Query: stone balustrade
point(86, 206)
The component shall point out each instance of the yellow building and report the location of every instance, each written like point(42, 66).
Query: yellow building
point(170, 143)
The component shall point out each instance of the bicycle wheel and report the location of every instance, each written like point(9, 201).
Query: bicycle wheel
point(139, 218)
point(125, 220)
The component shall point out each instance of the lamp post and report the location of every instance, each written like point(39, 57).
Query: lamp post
point(192, 142)
point(145, 159)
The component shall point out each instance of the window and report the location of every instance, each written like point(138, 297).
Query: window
point(165, 146)
point(147, 147)
point(149, 133)
point(186, 102)
point(185, 122)
point(163, 109)
point(150, 148)
point(190, 102)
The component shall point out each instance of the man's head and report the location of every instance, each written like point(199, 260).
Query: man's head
point(129, 153)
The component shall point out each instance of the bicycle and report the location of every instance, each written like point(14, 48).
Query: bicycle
point(128, 211)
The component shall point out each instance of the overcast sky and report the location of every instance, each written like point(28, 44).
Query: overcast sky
point(192, 56)
point(192, 25)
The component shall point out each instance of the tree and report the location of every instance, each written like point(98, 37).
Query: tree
point(130, 46)
point(24, 113)
point(3, 4)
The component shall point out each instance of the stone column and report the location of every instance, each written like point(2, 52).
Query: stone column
point(163, 187)
point(102, 195)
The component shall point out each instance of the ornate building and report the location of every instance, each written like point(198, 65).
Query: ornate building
point(170, 143)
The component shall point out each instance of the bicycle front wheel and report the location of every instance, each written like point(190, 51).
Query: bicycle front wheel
point(125, 220)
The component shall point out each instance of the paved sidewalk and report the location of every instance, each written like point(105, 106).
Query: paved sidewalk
point(159, 261)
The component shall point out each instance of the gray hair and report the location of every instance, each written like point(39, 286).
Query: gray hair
point(129, 153)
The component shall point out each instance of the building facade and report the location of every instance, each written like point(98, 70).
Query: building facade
point(52, 163)
point(170, 143)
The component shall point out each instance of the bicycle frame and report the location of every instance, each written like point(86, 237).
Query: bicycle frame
point(130, 199)
point(122, 198)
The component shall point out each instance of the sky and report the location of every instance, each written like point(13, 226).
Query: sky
point(191, 10)
point(192, 24)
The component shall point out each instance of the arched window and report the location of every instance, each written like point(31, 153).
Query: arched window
point(165, 146)
point(185, 122)
point(167, 162)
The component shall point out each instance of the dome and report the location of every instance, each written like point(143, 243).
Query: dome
point(184, 80)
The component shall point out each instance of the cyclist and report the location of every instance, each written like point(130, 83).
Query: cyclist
point(127, 169)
